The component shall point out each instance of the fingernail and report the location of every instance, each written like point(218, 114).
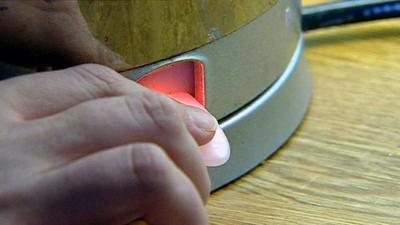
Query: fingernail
point(202, 119)
point(217, 151)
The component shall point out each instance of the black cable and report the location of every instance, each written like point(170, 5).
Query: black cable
point(345, 12)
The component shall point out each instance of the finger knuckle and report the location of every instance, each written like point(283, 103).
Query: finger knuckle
point(156, 175)
point(100, 79)
point(86, 112)
point(86, 118)
point(150, 165)
point(159, 110)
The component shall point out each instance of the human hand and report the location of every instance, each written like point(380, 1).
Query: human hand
point(45, 33)
point(87, 146)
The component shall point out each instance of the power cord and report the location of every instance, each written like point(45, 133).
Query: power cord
point(346, 12)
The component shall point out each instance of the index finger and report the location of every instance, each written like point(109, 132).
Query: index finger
point(41, 94)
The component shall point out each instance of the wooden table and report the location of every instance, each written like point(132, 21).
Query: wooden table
point(343, 164)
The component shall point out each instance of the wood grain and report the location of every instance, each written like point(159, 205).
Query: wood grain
point(158, 29)
point(343, 164)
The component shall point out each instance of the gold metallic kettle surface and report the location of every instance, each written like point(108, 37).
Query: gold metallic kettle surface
point(145, 31)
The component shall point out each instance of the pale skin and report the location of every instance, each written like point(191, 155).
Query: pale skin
point(85, 145)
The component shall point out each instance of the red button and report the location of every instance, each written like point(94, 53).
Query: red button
point(184, 82)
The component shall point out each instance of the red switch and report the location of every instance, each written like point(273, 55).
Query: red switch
point(184, 82)
point(183, 76)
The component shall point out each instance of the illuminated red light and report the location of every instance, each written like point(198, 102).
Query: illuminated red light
point(178, 77)
point(184, 82)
